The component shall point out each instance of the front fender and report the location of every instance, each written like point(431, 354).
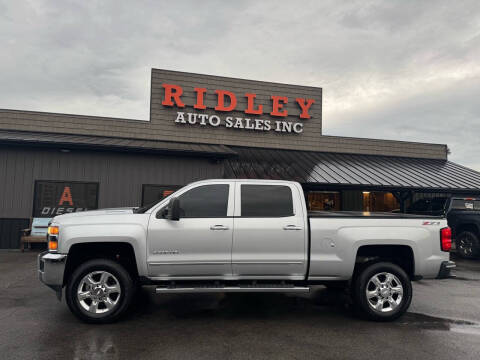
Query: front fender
point(131, 233)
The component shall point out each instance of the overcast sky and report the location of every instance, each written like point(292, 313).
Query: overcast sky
point(403, 70)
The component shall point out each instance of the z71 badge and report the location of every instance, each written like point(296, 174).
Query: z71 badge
point(431, 223)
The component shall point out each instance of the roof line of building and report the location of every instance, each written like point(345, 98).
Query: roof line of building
point(96, 142)
point(39, 112)
point(147, 121)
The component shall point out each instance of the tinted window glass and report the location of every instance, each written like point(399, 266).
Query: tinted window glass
point(464, 204)
point(266, 201)
point(420, 205)
point(438, 204)
point(152, 194)
point(204, 201)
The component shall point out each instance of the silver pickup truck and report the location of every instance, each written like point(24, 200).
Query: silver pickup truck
point(240, 236)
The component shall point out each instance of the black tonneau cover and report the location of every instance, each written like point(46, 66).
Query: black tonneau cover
point(376, 215)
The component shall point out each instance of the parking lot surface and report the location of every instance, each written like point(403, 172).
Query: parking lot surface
point(443, 323)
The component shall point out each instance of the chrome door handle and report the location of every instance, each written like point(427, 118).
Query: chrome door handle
point(292, 227)
point(218, 227)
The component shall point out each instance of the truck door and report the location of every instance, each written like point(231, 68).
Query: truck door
point(199, 245)
point(269, 238)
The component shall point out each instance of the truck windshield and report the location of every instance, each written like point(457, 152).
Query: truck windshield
point(142, 209)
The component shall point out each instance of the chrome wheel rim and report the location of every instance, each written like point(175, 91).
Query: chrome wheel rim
point(384, 292)
point(99, 292)
point(466, 245)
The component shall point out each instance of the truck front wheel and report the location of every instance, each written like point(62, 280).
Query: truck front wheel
point(382, 291)
point(99, 291)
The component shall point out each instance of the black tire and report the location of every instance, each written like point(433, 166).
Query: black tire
point(359, 292)
point(125, 297)
point(468, 245)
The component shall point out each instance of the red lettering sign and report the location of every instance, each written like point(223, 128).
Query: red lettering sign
point(250, 105)
point(173, 93)
point(66, 196)
point(304, 107)
point(221, 100)
point(277, 105)
point(200, 94)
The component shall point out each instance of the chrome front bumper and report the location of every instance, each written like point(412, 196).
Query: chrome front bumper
point(51, 268)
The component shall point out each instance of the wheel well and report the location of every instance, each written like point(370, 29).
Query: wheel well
point(467, 227)
point(122, 253)
point(401, 255)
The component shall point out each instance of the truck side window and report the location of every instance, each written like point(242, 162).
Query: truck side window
point(266, 201)
point(206, 201)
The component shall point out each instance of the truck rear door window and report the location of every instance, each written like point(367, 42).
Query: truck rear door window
point(206, 201)
point(266, 201)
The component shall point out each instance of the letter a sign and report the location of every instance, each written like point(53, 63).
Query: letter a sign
point(66, 196)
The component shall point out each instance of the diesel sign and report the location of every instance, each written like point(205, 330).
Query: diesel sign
point(57, 197)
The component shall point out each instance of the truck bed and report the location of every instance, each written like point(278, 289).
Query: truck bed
point(336, 237)
point(366, 214)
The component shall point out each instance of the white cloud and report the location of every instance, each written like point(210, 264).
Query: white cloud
point(404, 70)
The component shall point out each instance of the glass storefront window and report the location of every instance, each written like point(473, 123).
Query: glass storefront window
point(323, 200)
point(154, 193)
point(53, 198)
point(379, 201)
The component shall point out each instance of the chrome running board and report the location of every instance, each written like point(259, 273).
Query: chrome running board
point(231, 289)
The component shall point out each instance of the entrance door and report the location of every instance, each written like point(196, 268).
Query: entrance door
point(199, 245)
point(269, 239)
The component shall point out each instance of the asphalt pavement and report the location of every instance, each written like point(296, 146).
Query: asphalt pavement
point(443, 323)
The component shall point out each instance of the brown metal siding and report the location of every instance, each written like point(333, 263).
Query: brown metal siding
point(10, 232)
point(94, 125)
point(120, 175)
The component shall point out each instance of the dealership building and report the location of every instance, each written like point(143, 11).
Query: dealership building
point(203, 127)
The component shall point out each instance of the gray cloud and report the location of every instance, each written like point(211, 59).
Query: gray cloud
point(404, 70)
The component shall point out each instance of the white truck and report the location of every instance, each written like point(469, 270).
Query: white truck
point(240, 236)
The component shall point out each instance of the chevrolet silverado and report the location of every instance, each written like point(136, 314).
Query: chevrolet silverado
point(240, 236)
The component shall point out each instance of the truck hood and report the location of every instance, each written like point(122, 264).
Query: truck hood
point(99, 212)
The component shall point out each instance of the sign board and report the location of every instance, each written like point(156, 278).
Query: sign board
point(227, 102)
point(197, 108)
point(62, 197)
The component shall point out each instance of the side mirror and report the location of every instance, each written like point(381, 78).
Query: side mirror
point(174, 209)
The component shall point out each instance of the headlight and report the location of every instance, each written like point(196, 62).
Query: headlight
point(52, 238)
point(53, 230)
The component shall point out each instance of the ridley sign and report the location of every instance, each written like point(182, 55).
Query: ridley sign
point(173, 97)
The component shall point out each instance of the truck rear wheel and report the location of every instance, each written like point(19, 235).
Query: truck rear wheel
point(99, 291)
point(468, 245)
point(382, 292)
